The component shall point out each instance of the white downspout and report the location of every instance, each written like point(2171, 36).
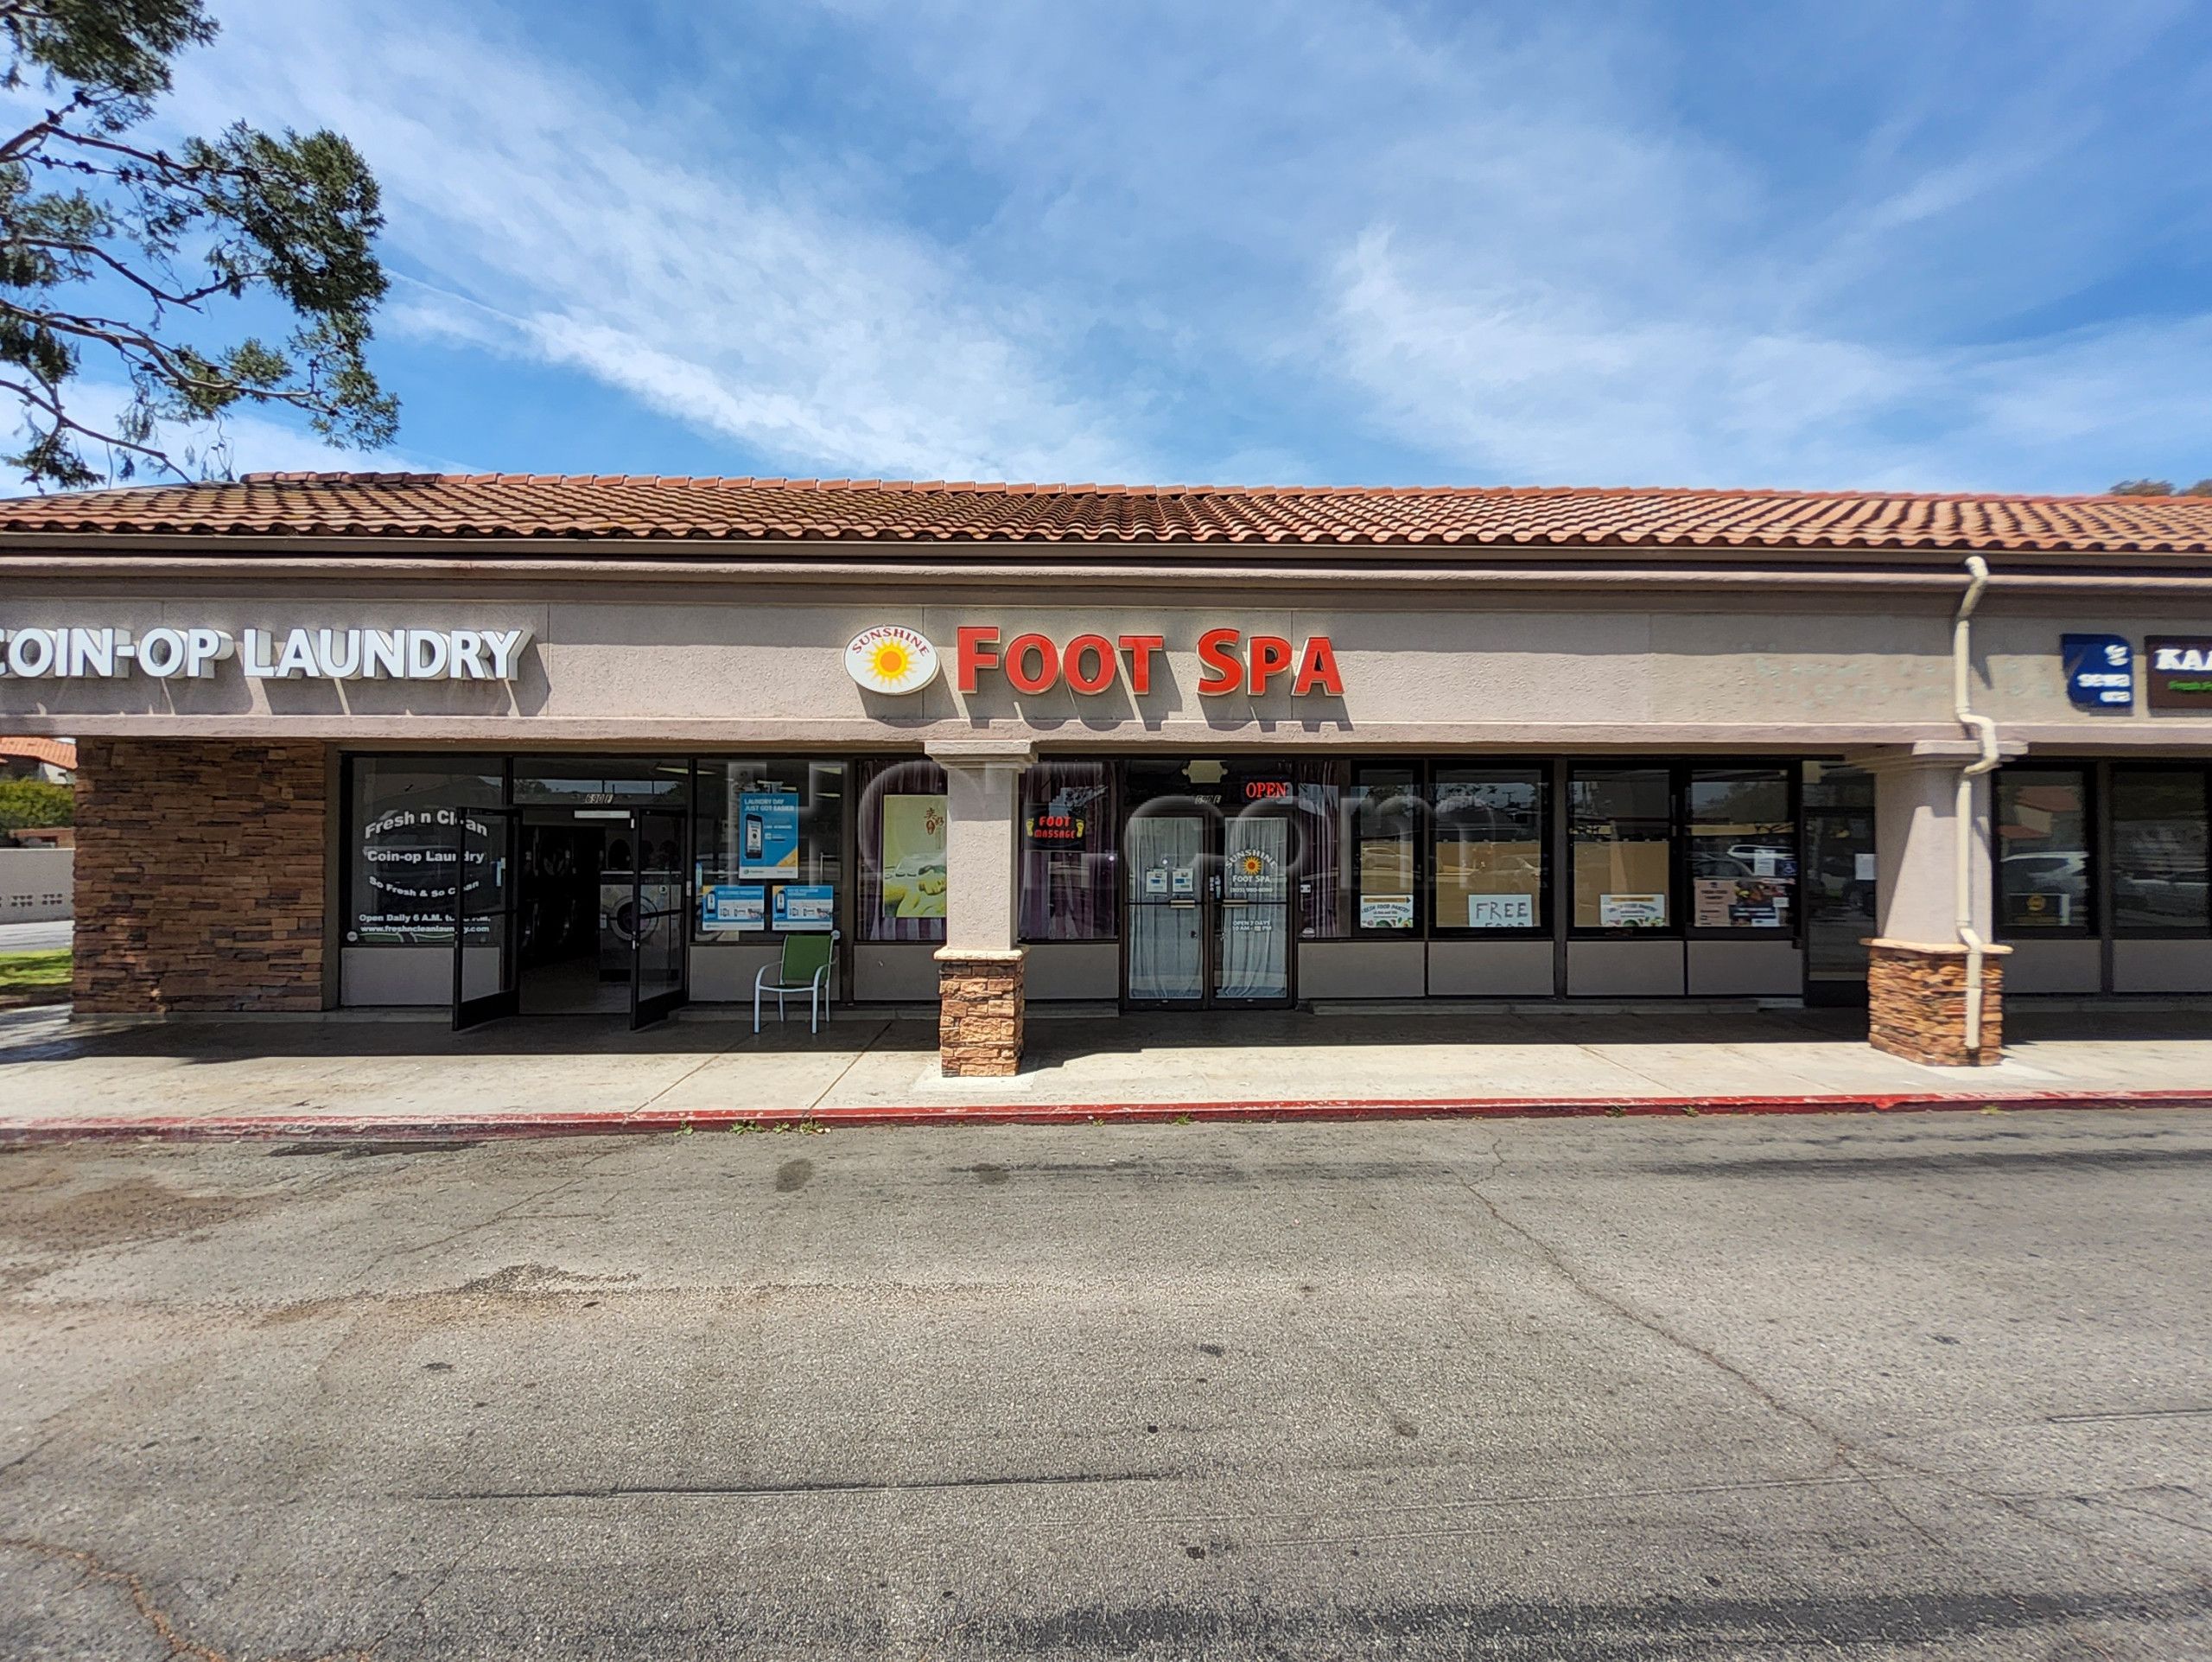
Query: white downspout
point(1983, 730)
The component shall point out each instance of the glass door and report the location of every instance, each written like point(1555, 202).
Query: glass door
point(1166, 920)
point(659, 918)
point(481, 841)
point(1838, 881)
point(1252, 924)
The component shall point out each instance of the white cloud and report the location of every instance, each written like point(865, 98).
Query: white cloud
point(1565, 245)
point(1551, 244)
point(574, 228)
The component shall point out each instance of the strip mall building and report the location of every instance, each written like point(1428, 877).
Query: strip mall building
point(514, 744)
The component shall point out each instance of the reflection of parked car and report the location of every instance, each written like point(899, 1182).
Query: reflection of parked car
point(2178, 897)
point(2045, 873)
point(2040, 888)
point(1717, 865)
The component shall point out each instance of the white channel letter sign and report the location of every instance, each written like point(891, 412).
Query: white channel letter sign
point(73, 654)
point(891, 659)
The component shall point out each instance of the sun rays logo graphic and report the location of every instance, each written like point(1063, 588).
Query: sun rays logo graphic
point(890, 659)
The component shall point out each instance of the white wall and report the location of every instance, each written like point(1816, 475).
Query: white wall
point(36, 885)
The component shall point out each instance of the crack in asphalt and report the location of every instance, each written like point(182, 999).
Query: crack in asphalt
point(1845, 1451)
point(829, 1486)
point(165, 1628)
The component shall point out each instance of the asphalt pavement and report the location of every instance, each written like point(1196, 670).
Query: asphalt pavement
point(1590, 1389)
point(52, 937)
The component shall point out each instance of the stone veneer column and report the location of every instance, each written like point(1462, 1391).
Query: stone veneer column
point(981, 1008)
point(1916, 964)
point(199, 876)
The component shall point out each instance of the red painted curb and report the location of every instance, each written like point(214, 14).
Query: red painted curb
point(235, 1127)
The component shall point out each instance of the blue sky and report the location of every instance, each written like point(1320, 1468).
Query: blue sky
point(1917, 246)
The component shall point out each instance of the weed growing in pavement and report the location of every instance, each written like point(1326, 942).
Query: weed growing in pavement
point(1691, 1109)
point(1180, 1119)
point(1617, 1112)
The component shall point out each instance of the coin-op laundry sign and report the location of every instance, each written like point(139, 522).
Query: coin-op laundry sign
point(34, 653)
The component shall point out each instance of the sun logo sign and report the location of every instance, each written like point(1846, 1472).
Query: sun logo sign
point(890, 659)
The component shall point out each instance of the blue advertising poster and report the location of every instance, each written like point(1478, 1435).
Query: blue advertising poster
point(805, 906)
point(2099, 670)
point(731, 909)
point(767, 834)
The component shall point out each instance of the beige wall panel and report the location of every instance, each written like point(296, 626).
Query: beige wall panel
point(1361, 969)
point(395, 975)
point(1073, 968)
point(894, 972)
point(722, 973)
point(2162, 966)
point(1490, 968)
point(716, 664)
point(2053, 966)
point(1745, 968)
point(1623, 969)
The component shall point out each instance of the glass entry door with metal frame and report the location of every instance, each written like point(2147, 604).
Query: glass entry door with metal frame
point(657, 922)
point(1839, 867)
point(1207, 912)
point(486, 985)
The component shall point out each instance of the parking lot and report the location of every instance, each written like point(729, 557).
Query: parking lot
point(1586, 1389)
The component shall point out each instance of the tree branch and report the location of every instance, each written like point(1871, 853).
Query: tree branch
point(50, 402)
point(190, 298)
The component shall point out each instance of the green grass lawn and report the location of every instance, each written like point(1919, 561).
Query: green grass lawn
point(35, 972)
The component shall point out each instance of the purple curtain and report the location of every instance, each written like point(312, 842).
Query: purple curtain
point(1068, 888)
point(1321, 880)
point(877, 780)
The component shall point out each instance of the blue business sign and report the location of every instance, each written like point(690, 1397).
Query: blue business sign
point(2099, 670)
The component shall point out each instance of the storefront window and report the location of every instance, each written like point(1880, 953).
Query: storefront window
point(1620, 826)
point(1742, 848)
point(1384, 810)
point(1068, 876)
point(1317, 800)
point(769, 835)
point(903, 818)
point(2158, 877)
point(1490, 849)
point(2043, 850)
point(401, 824)
point(601, 782)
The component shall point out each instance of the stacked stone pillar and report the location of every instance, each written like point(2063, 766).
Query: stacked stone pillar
point(981, 1010)
point(201, 870)
point(1916, 963)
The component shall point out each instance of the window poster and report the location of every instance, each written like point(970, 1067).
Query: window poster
point(1632, 911)
point(731, 909)
point(1386, 910)
point(767, 830)
point(913, 856)
point(1501, 911)
point(1713, 897)
point(809, 906)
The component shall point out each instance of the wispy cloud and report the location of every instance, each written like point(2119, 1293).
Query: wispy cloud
point(580, 228)
point(1317, 239)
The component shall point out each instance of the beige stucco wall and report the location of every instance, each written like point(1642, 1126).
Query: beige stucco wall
point(715, 665)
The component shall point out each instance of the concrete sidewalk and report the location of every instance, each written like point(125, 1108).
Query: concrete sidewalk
point(537, 1076)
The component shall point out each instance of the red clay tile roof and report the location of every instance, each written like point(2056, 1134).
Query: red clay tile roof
point(634, 506)
point(54, 753)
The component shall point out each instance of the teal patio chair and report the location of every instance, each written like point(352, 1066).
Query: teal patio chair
point(809, 967)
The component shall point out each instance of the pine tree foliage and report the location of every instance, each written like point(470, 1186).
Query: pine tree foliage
point(117, 254)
